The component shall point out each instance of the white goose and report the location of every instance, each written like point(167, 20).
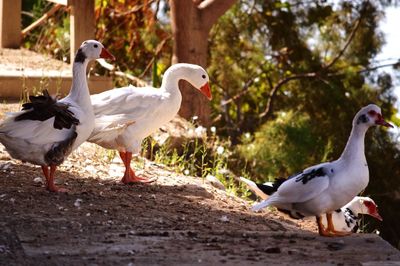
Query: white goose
point(345, 219)
point(125, 116)
point(326, 187)
point(47, 130)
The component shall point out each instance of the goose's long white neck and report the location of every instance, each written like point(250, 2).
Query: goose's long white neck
point(80, 91)
point(170, 82)
point(354, 149)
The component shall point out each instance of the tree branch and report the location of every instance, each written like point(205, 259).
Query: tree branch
point(312, 74)
point(211, 10)
point(136, 81)
point(351, 37)
point(280, 83)
point(244, 90)
point(41, 20)
point(283, 81)
point(368, 69)
point(158, 50)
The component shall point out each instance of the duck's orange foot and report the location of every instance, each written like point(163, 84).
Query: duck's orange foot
point(130, 177)
point(341, 233)
point(54, 188)
point(137, 179)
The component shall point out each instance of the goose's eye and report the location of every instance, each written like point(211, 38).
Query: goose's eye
point(203, 76)
point(95, 46)
point(372, 113)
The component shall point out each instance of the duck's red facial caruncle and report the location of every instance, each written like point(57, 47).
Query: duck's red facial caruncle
point(378, 119)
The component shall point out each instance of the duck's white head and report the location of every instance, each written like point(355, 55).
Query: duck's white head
point(370, 115)
point(194, 74)
point(365, 205)
point(92, 49)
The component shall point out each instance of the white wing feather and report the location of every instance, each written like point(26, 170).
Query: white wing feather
point(33, 131)
point(293, 191)
point(117, 108)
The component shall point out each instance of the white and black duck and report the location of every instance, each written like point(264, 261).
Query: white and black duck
point(346, 219)
point(324, 188)
point(46, 130)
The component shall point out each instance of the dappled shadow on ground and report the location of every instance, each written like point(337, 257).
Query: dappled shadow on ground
point(177, 220)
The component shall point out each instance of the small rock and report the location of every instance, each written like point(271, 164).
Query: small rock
point(38, 180)
point(5, 166)
point(224, 219)
point(77, 203)
point(3, 249)
point(215, 182)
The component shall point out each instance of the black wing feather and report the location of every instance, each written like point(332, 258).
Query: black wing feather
point(44, 107)
point(271, 189)
point(309, 175)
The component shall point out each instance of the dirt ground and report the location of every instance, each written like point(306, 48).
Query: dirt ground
point(177, 220)
point(24, 60)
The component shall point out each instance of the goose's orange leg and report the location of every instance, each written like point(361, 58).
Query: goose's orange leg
point(331, 227)
point(50, 186)
point(129, 175)
point(321, 228)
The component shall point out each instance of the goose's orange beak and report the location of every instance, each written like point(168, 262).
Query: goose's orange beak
point(205, 89)
point(106, 54)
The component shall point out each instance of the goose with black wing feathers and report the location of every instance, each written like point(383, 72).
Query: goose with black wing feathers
point(47, 130)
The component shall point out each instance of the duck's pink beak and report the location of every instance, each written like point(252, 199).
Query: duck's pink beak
point(382, 122)
point(106, 54)
point(205, 89)
point(376, 216)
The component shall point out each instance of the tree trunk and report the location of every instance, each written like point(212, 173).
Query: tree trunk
point(191, 22)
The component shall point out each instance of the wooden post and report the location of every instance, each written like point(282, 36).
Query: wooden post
point(10, 23)
point(82, 23)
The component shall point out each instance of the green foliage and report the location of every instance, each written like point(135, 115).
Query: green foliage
point(128, 28)
point(258, 44)
point(131, 31)
point(209, 155)
point(53, 37)
point(279, 146)
point(383, 156)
